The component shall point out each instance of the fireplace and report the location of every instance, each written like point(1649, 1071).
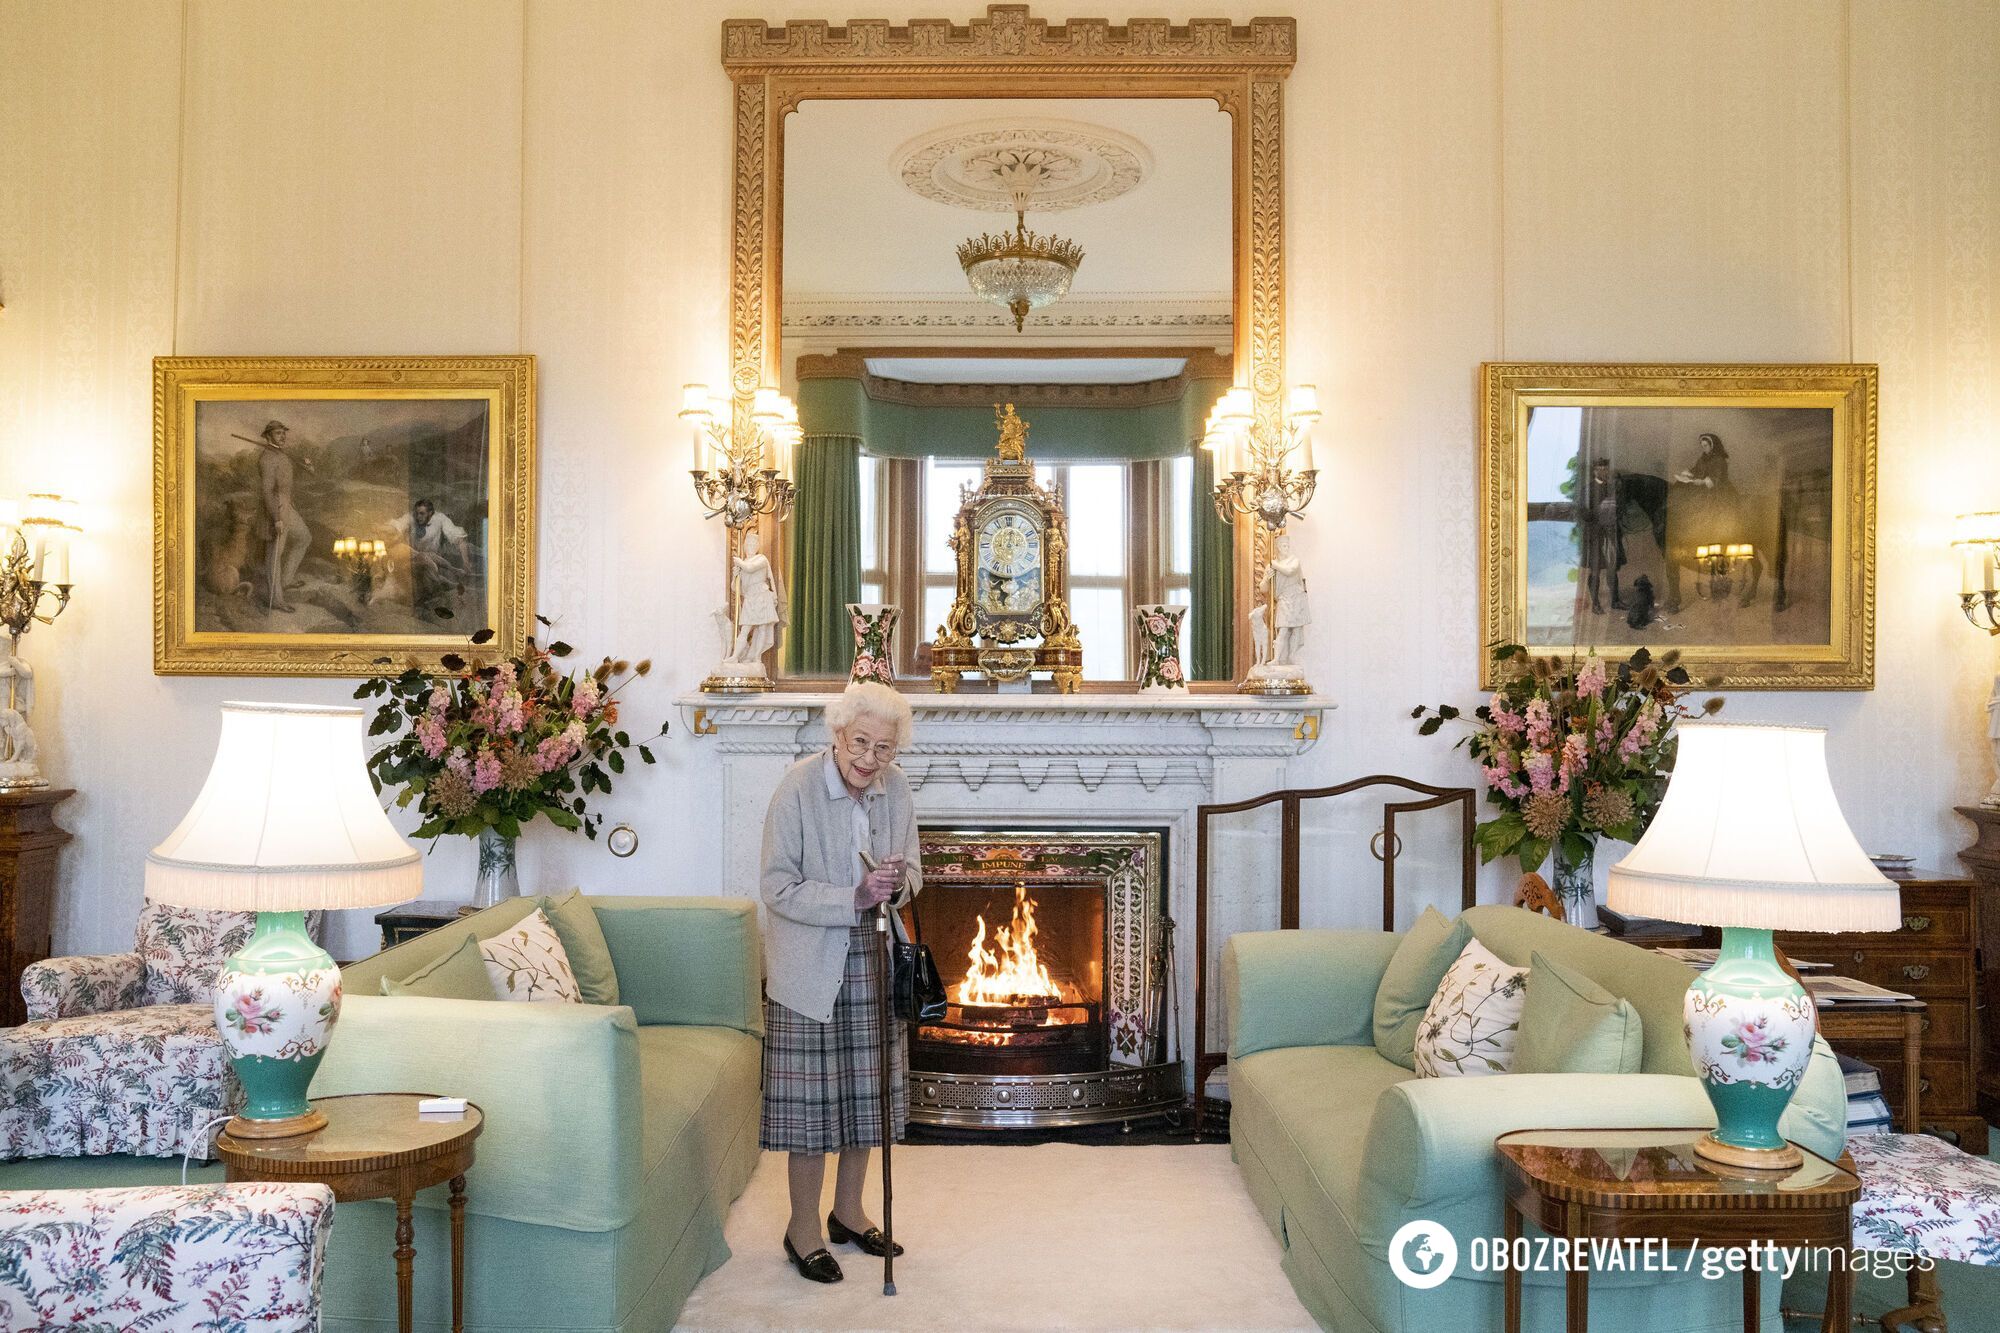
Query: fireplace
point(1053, 946)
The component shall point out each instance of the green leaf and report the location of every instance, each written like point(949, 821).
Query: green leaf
point(646, 754)
point(1430, 726)
point(1447, 712)
point(483, 636)
point(562, 818)
point(1418, 711)
point(1532, 851)
point(622, 739)
point(452, 662)
point(560, 649)
point(617, 762)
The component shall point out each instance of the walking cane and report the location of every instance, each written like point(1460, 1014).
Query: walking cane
point(888, 1111)
point(885, 1013)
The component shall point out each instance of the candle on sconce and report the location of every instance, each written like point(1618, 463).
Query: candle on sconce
point(696, 411)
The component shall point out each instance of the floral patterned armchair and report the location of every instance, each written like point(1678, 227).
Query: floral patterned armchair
point(246, 1257)
point(120, 1053)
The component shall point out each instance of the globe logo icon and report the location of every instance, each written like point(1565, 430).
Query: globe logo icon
point(1422, 1254)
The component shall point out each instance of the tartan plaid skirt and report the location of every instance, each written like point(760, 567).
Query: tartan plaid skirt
point(823, 1081)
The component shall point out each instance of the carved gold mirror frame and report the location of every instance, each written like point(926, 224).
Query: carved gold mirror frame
point(1009, 53)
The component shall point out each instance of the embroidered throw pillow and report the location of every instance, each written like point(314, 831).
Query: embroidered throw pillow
point(526, 962)
point(1474, 1019)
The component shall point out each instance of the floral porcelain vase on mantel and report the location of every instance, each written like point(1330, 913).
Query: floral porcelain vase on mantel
point(1573, 750)
point(1160, 648)
point(874, 642)
point(488, 746)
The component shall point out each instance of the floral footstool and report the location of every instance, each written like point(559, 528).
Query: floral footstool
point(246, 1257)
point(140, 1081)
point(1920, 1195)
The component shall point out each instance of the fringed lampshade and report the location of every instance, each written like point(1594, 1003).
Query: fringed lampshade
point(1751, 838)
point(1751, 834)
point(286, 822)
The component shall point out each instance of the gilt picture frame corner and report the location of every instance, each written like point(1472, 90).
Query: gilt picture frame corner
point(323, 516)
point(1726, 510)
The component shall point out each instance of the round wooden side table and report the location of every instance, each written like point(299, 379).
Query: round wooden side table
point(376, 1146)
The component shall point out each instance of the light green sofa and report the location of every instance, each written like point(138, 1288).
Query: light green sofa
point(615, 1138)
point(1340, 1147)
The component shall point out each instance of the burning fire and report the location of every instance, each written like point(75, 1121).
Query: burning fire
point(1009, 973)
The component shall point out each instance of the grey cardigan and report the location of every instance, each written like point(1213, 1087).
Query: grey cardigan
point(811, 868)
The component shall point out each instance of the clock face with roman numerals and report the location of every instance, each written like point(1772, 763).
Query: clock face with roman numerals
point(1007, 564)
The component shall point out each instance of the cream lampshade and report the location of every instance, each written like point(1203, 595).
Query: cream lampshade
point(1750, 838)
point(286, 821)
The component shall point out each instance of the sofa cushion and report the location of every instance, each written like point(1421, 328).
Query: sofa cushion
point(1656, 985)
point(458, 975)
point(1473, 1021)
point(576, 925)
point(1411, 979)
point(526, 962)
point(183, 949)
point(1572, 1025)
point(1307, 1109)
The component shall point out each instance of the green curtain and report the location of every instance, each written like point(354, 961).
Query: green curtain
point(967, 434)
point(1212, 638)
point(826, 555)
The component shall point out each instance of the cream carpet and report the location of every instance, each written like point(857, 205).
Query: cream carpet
point(1056, 1236)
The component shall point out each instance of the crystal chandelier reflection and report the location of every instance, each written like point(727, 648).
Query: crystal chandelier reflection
point(1019, 269)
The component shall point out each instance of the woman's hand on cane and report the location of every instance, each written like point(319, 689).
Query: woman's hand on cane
point(878, 885)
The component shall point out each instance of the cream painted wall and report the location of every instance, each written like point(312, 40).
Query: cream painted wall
point(1527, 179)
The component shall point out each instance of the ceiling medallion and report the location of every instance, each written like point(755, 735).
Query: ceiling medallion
point(971, 165)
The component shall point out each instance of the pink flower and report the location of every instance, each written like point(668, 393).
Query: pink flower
point(430, 735)
point(1156, 624)
point(1505, 720)
point(551, 754)
point(460, 762)
point(584, 702)
point(1170, 669)
point(1590, 681)
point(864, 665)
point(1541, 771)
point(1575, 755)
point(1541, 726)
point(485, 771)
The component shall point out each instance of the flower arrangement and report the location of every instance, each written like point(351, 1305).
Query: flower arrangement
point(490, 746)
point(1573, 750)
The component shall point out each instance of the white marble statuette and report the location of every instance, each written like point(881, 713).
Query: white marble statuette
point(1276, 648)
point(760, 613)
point(18, 768)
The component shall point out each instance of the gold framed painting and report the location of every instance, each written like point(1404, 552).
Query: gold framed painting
point(1724, 510)
point(315, 515)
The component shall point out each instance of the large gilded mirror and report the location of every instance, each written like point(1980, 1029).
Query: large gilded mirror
point(1080, 220)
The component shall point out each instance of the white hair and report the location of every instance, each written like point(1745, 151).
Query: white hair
point(872, 700)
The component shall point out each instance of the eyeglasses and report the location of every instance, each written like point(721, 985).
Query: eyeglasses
point(857, 748)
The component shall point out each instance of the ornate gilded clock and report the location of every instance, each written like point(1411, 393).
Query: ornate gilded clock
point(1010, 618)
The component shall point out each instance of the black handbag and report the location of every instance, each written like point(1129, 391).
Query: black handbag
point(916, 991)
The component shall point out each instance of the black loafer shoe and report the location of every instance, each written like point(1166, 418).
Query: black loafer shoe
point(819, 1266)
point(870, 1241)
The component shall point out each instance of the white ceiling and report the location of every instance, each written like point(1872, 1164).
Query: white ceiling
point(852, 228)
point(1026, 370)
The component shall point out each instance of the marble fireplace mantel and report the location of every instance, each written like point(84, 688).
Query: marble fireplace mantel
point(1040, 761)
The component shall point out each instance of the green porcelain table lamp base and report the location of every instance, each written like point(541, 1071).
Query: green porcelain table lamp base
point(1750, 1030)
point(276, 1001)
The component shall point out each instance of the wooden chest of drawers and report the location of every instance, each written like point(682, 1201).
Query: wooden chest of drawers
point(1934, 956)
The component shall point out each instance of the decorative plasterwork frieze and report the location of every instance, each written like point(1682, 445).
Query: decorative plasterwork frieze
point(1009, 37)
point(1208, 315)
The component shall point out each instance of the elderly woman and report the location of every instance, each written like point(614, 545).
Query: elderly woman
point(824, 1043)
